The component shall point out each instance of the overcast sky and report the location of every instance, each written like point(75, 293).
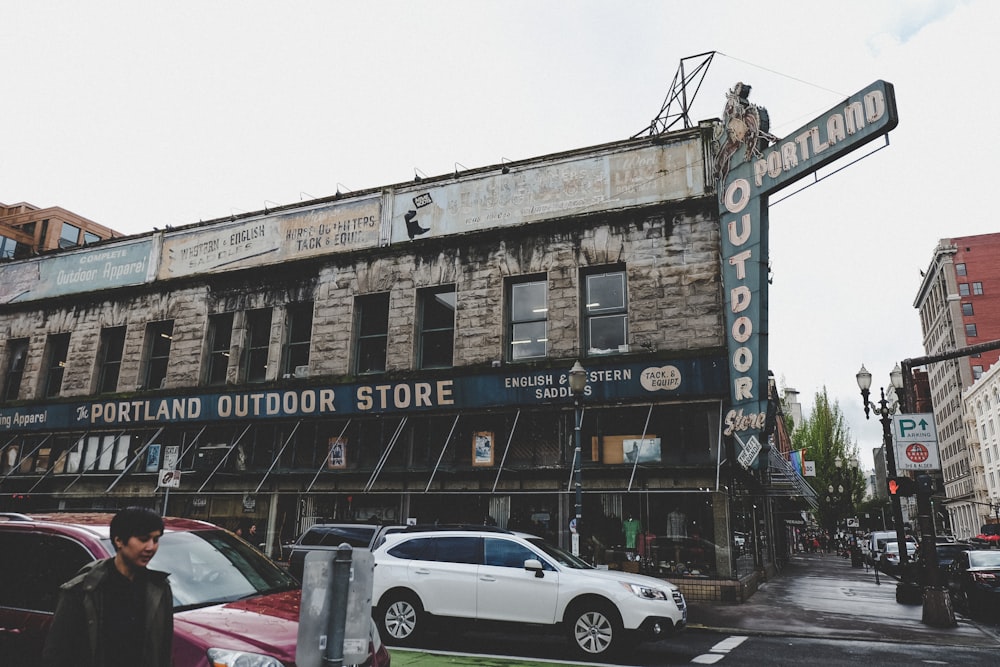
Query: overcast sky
point(139, 116)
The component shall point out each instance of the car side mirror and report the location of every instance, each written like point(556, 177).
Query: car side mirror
point(534, 565)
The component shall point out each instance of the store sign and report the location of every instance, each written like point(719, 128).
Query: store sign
point(676, 379)
point(751, 164)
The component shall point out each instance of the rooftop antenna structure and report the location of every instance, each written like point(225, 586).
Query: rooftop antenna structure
point(677, 105)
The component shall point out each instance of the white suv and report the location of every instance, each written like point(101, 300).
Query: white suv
point(493, 575)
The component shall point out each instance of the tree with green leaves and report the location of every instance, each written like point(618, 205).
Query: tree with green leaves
point(838, 483)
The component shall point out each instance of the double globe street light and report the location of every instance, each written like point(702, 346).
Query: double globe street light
point(906, 591)
point(937, 607)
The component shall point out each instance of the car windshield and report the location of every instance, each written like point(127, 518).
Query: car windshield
point(564, 558)
point(984, 558)
point(212, 566)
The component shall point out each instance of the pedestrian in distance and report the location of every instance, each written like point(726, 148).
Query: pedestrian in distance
point(116, 612)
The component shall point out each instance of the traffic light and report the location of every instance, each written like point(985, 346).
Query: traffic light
point(902, 486)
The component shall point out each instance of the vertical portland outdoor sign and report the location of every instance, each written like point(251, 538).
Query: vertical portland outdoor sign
point(750, 164)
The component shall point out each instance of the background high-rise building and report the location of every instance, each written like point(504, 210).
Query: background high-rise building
point(959, 304)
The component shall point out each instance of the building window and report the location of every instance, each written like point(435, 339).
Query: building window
point(967, 309)
point(90, 237)
point(298, 337)
point(57, 354)
point(436, 345)
point(371, 321)
point(258, 342)
point(977, 288)
point(159, 336)
point(8, 248)
point(963, 289)
point(220, 340)
point(110, 356)
point(977, 372)
point(970, 331)
point(527, 332)
point(960, 270)
point(605, 313)
point(98, 453)
point(69, 236)
point(17, 353)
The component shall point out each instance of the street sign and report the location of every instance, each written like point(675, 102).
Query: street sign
point(916, 442)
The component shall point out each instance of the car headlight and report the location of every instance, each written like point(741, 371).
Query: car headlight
point(646, 592)
point(221, 657)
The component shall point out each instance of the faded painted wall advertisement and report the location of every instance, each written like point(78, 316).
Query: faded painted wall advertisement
point(574, 187)
point(271, 239)
point(86, 270)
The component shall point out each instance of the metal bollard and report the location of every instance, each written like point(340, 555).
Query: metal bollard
point(340, 581)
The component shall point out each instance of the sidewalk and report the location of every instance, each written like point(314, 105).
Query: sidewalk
point(821, 595)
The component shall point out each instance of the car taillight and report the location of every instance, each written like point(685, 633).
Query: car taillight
point(986, 577)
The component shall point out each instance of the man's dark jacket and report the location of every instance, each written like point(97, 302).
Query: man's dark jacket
point(73, 637)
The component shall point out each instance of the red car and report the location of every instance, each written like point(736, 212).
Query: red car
point(231, 603)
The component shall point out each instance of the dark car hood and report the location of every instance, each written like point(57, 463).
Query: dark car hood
point(263, 624)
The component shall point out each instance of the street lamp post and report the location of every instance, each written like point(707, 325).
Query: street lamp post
point(906, 591)
point(577, 383)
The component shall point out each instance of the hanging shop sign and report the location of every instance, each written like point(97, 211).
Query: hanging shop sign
point(750, 164)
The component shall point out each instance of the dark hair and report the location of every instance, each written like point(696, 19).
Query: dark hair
point(135, 521)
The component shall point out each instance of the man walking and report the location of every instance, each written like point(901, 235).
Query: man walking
point(116, 612)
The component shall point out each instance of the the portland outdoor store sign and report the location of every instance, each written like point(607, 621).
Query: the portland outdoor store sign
point(751, 164)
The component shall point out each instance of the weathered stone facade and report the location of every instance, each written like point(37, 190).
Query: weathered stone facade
point(262, 447)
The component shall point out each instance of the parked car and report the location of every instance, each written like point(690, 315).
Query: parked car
point(329, 536)
point(974, 580)
point(489, 575)
point(232, 605)
point(876, 541)
point(889, 560)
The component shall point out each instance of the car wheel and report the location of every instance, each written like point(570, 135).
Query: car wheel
point(594, 629)
point(401, 618)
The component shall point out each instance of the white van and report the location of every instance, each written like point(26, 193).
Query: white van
point(876, 543)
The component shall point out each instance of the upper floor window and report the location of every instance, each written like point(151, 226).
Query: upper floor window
point(258, 342)
point(8, 247)
point(960, 269)
point(970, 330)
point(90, 237)
point(436, 341)
point(977, 288)
point(963, 289)
point(977, 372)
point(69, 235)
point(967, 309)
point(110, 359)
point(159, 336)
point(605, 307)
point(371, 322)
point(298, 337)
point(527, 331)
point(56, 355)
point(17, 354)
point(220, 339)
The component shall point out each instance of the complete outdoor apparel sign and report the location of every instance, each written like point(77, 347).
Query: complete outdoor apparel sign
point(751, 164)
